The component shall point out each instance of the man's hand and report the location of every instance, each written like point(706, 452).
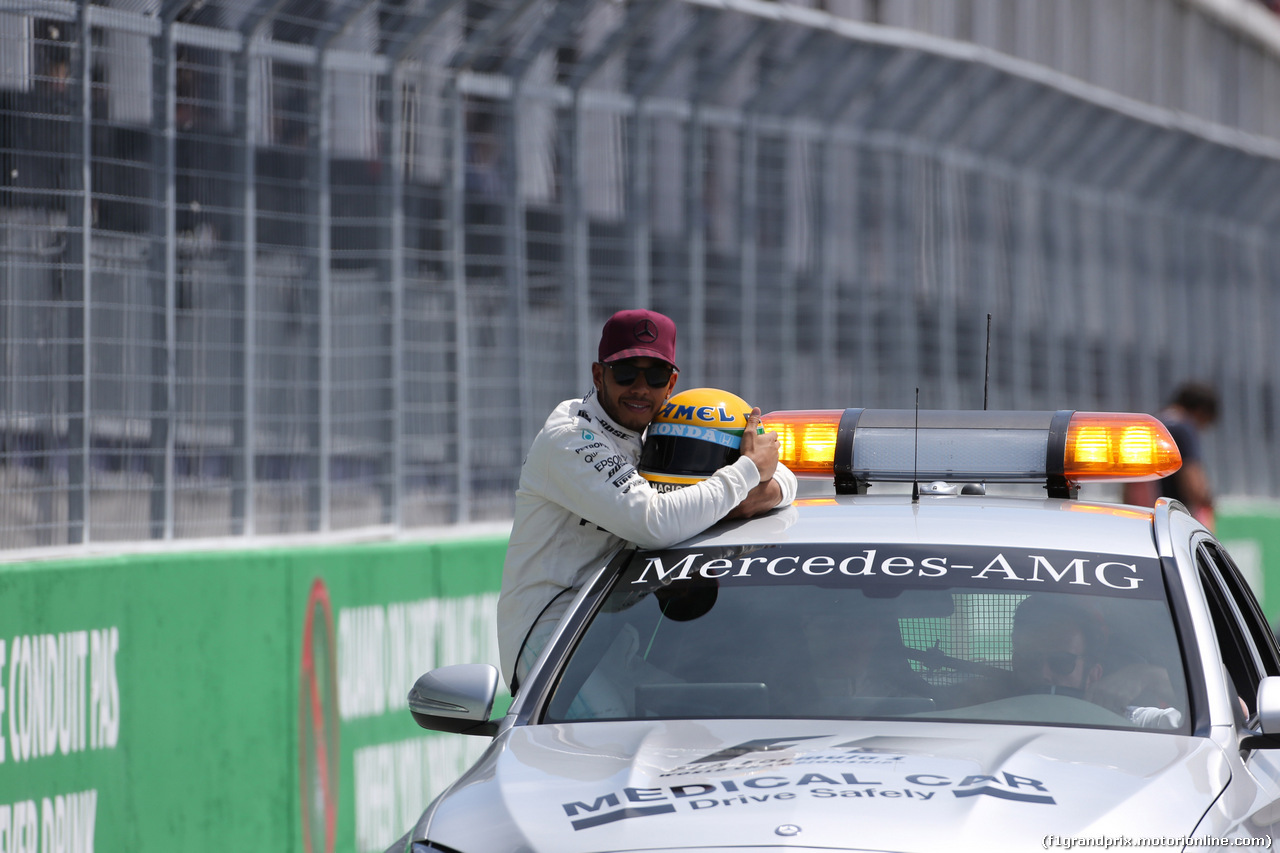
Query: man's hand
point(760, 448)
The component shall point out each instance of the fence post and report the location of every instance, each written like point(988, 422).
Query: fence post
point(321, 491)
point(79, 289)
point(164, 274)
point(577, 224)
point(244, 465)
point(455, 251)
point(462, 321)
point(392, 192)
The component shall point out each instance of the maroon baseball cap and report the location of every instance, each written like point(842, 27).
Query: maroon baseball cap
point(637, 332)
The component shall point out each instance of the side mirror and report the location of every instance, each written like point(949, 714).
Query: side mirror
point(1268, 705)
point(456, 699)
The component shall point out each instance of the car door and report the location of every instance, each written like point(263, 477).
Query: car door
point(1249, 653)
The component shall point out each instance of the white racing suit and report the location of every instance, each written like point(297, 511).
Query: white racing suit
point(580, 498)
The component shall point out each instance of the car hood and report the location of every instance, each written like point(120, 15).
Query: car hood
point(889, 786)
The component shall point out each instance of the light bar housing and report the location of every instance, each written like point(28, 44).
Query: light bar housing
point(1060, 449)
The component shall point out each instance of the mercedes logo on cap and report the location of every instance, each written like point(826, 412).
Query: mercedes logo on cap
point(645, 331)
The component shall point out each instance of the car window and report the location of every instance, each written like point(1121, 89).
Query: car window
point(880, 631)
point(1246, 607)
point(1246, 652)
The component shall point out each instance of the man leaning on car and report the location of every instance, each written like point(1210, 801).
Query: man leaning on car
point(580, 496)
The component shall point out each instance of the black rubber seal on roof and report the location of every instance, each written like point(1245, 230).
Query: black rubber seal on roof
point(1055, 456)
point(846, 483)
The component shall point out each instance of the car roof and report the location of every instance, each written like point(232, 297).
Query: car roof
point(951, 520)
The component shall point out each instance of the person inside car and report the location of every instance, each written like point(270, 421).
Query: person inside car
point(1058, 647)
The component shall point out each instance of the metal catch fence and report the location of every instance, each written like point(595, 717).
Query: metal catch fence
point(298, 266)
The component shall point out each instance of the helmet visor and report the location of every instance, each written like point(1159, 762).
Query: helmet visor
point(679, 454)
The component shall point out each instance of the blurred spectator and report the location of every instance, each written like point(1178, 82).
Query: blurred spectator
point(1193, 409)
point(484, 165)
point(36, 135)
point(205, 152)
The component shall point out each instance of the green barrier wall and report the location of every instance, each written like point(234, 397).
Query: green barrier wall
point(232, 700)
point(1251, 532)
point(254, 700)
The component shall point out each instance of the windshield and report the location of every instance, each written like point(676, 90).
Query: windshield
point(880, 631)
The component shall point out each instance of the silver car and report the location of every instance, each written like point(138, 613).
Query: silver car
point(932, 669)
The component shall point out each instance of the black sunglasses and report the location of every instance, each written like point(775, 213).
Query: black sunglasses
point(625, 374)
point(1060, 663)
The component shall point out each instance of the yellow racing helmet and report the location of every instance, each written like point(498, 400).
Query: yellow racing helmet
point(695, 433)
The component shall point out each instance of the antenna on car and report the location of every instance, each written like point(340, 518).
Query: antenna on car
point(986, 378)
point(915, 459)
point(981, 488)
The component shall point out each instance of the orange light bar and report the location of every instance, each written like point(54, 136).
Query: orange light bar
point(1118, 446)
point(1058, 448)
point(806, 439)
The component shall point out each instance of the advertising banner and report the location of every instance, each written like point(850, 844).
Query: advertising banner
point(232, 700)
